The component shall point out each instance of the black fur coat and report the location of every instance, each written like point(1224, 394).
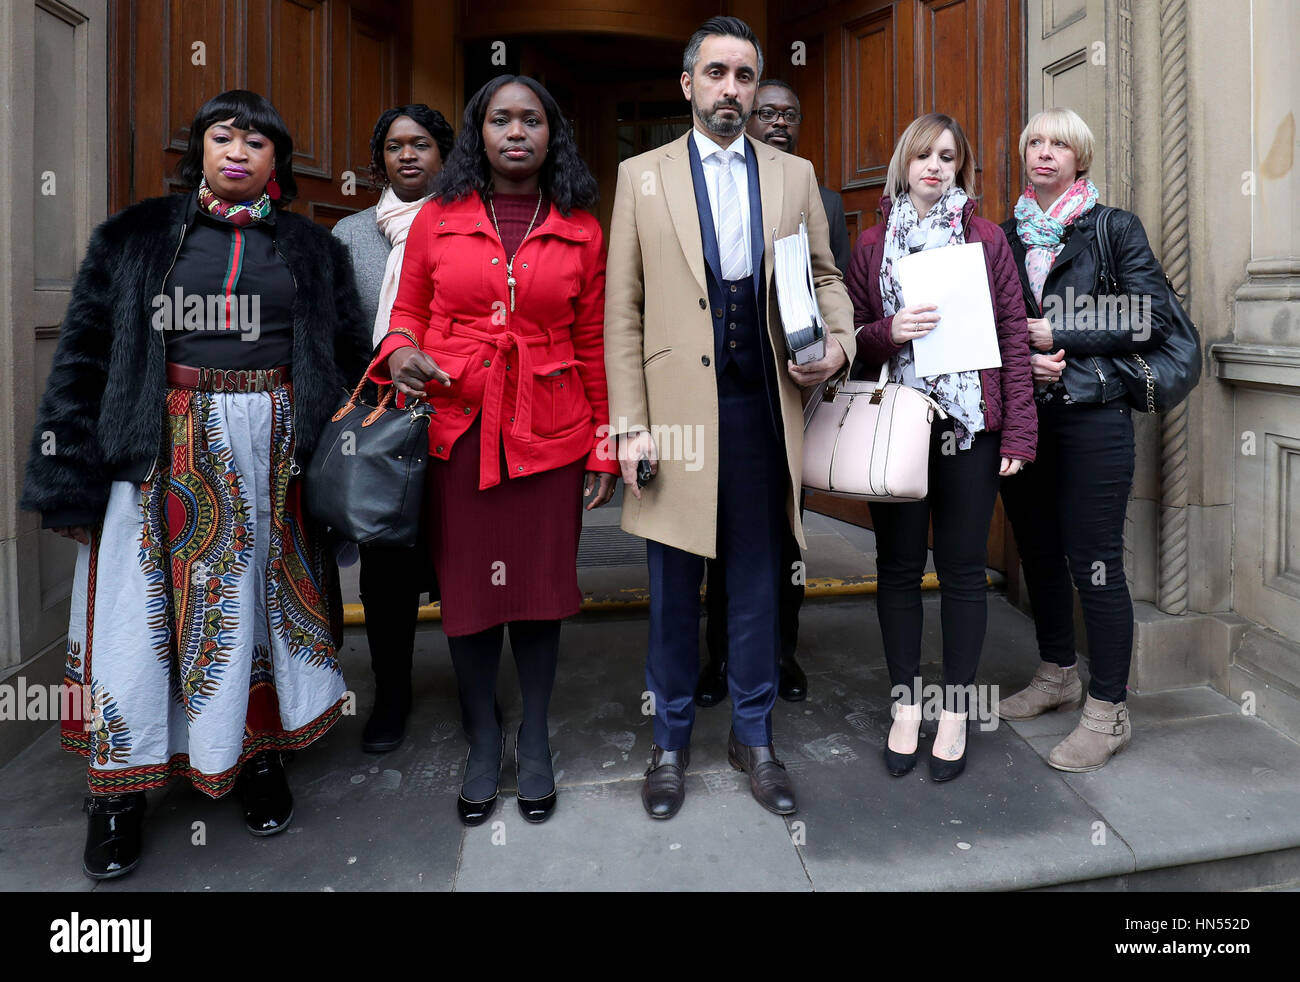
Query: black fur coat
point(100, 419)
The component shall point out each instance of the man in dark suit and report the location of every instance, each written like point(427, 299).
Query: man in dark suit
point(776, 121)
point(694, 341)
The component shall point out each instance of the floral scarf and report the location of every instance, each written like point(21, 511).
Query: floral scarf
point(239, 213)
point(1042, 231)
point(905, 233)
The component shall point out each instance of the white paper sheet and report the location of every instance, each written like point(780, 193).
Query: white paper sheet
point(954, 278)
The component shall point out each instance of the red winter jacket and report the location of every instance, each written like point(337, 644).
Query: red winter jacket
point(1008, 392)
point(538, 374)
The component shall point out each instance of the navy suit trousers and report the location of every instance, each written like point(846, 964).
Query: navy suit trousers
point(752, 482)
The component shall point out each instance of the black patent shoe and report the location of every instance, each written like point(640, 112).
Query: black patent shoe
point(534, 809)
point(473, 812)
point(386, 728)
point(793, 685)
point(113, 834)
point(712, 687)
point(264, 794)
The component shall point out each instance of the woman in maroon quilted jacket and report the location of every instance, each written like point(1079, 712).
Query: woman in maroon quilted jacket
point(991, 430)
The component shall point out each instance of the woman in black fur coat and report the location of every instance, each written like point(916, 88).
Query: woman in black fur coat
point(206, 342)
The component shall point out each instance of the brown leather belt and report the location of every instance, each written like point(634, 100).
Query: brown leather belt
point(226, 379)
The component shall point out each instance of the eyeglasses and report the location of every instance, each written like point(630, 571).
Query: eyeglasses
point(768, 115)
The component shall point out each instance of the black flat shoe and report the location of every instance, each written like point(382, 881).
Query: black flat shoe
point(899, 764)
point(113, 834)
point(476, 812)
point(264, 793)
point(712, 687)
point(386, 727)
point(793, 685)
point(534, 809)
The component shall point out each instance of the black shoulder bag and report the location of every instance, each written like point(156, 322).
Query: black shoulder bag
point(366, 476)
point(1158, 380)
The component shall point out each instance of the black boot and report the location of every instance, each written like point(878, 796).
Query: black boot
point(113, 834)
point(264, 793)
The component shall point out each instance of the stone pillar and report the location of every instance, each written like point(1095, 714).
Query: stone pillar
point(1261, 363)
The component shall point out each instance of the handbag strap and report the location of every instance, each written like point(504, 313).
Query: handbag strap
point(879, 391)
point(1106, 277)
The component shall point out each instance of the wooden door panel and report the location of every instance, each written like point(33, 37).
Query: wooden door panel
point(871, 123)
point(330, 67)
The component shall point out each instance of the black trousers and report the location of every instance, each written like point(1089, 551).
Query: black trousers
point(963, 489)
point(392, 579)
point(1067, 512)
point(789, 599)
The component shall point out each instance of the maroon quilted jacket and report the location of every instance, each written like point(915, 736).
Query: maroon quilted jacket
point(1008, 401)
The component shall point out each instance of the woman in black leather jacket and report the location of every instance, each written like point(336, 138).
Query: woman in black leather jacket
point(1067, 510)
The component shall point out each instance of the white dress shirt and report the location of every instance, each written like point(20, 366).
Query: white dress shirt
point(740, 174)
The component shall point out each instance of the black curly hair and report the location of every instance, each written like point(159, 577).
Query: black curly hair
point(433, 121)
point(565, 176)
point(251, 111)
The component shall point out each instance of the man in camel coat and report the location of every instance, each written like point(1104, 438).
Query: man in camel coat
point(701, 388)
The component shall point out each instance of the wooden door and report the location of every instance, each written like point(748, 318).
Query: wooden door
point(329, 66)
point(864, 69)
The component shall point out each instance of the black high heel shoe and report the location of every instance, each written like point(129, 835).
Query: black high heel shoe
point(477, 812)
point(535, 810)
point(898, 764)
point(942, 769)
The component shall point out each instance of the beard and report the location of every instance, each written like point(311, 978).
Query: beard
point(718, 124)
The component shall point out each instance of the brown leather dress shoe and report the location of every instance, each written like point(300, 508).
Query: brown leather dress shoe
point(768, 780)
point(665, 781)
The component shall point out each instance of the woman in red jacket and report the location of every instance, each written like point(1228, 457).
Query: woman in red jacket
point(498, 323)
point(991, 430)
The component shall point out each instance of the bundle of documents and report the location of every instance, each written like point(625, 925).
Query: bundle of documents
point(805, 331)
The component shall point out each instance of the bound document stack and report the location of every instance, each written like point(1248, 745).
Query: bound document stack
point(805, 331)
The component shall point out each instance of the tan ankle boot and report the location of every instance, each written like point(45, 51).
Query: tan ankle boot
point(1103, 731)
point(1052, 687)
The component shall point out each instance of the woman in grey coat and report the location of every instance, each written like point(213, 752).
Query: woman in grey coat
point(407, 149)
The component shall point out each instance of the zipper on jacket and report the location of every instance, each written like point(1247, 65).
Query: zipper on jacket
point(294, 469)
point(162, 289)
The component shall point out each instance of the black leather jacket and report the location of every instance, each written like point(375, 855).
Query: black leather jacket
point(1069, 302)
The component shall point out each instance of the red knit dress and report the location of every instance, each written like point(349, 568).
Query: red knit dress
point(509, 553)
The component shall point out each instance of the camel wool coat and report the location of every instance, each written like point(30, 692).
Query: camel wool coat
point(659, 341)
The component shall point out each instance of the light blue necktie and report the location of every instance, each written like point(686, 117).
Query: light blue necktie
point(731, 232)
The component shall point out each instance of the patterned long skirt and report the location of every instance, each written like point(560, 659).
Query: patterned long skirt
point(200, 623)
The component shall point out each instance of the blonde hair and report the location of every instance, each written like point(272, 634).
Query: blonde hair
point(921, 135)
point(1067, 126)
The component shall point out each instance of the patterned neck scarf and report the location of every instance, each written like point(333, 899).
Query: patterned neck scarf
point(907, 232)
point(1042, 231)
point(239, 213)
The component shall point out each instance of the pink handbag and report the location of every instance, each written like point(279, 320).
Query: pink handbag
point(870, 441)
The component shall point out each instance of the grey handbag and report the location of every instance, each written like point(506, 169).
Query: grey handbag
point(366, 476)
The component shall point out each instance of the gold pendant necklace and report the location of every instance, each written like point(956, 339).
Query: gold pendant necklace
point(510, 263)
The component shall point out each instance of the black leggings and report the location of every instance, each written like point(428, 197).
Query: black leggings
point(1067, 512)
point(963, 489)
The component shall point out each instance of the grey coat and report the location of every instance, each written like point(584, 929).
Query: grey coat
point(369, 249)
